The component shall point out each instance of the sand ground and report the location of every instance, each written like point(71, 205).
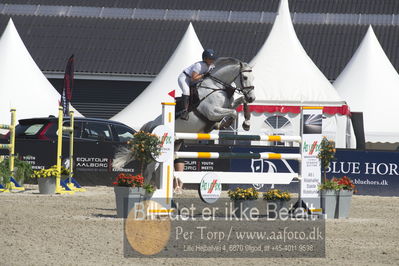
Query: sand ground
point(81, 229)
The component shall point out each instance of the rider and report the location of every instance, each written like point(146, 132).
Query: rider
point(194, 74)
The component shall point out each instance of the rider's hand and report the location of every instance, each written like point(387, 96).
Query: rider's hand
point(207, 74)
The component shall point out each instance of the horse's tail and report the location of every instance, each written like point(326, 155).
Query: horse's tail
point(123, 156)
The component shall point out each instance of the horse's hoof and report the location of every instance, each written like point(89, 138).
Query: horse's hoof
point(246, 126)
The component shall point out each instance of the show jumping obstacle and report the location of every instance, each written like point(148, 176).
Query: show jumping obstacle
point(167, 161)
point(13, 184)
point(70, 185)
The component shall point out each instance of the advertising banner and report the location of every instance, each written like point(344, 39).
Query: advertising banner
point(206, 165)
point(93, 160)
point(373, 172)
point(312, 122)
point(266, 166)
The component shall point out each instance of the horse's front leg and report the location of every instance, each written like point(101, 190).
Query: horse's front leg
point(237, 102)
point(219, 113)
point(247, 115)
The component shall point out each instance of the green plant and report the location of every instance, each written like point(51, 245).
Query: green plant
point(5, 172)
point(46, 173)
point(149, 188)
point(144, 146)
point(329, 185)
point(326, 154)
point(23, 170)
point(276, 194)
point(243, 194)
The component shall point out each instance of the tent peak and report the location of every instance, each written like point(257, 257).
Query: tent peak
point(188, 51)
point(369, 83)
point(283, 70)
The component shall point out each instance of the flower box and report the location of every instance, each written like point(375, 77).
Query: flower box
point(344, 203)
point(126, 198)
point(329, 203)
point(46, 185)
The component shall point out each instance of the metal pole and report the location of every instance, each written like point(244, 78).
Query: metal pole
point(71, 136)
point(12, 141)
point(58, 188)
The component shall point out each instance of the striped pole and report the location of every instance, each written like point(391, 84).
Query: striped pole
point(232, 155)
point(204, 136)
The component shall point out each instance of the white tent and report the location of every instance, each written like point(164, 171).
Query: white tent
point(147, 106)
point(22, 85)
point(285, 79)
point(284, 73)
point(370, 84)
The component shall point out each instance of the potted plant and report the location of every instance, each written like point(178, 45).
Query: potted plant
point(277, 199)
point(329, 191)
point(244, 200)
point(46, 179)
point(328, 188)
point(5, 174)
point(326, 155)
point(130, 189)
point(346, 190)
point(144, 147)
point(22, 170)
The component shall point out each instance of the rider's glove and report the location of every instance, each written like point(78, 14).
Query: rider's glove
point(207, 74)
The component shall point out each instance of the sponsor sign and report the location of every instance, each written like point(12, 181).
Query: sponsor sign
point(373, 172)
point(167, 143)
point(312, 122)
point(210, 188)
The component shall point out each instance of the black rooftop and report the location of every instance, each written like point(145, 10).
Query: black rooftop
point(144, 46)
point(305, 6)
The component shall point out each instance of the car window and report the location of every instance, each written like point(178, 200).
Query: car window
point(77, 126)
point(29, 130)
point(123, 133)
point(96, 131)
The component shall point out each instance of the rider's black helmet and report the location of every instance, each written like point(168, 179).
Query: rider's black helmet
point(209, 53)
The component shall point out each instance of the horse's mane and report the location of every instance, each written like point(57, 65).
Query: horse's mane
point(225, 61)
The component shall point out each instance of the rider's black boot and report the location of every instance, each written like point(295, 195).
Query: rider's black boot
point(186, 102)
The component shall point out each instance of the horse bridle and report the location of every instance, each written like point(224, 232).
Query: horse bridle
point(243, 89)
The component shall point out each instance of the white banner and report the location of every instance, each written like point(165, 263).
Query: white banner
point(312, 124)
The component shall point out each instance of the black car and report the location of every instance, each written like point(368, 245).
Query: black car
point(86, 129)
point(96, 141)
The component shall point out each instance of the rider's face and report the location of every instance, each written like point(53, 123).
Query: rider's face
point(209, 61)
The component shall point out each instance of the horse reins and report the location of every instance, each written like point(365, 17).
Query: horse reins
point(228, 86)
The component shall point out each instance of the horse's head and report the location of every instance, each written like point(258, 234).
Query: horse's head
point(229, 70)
point(245, 82)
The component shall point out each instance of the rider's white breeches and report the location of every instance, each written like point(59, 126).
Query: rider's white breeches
point(184, 82)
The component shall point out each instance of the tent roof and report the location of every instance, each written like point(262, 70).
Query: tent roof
point(370, 84)
point(22, 85)
point(284, 73)
point(147, 106)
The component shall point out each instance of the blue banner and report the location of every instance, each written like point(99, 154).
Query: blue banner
point(373, 172)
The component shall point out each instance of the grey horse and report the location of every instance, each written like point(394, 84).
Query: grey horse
point(216, 103)
point(216, 98)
